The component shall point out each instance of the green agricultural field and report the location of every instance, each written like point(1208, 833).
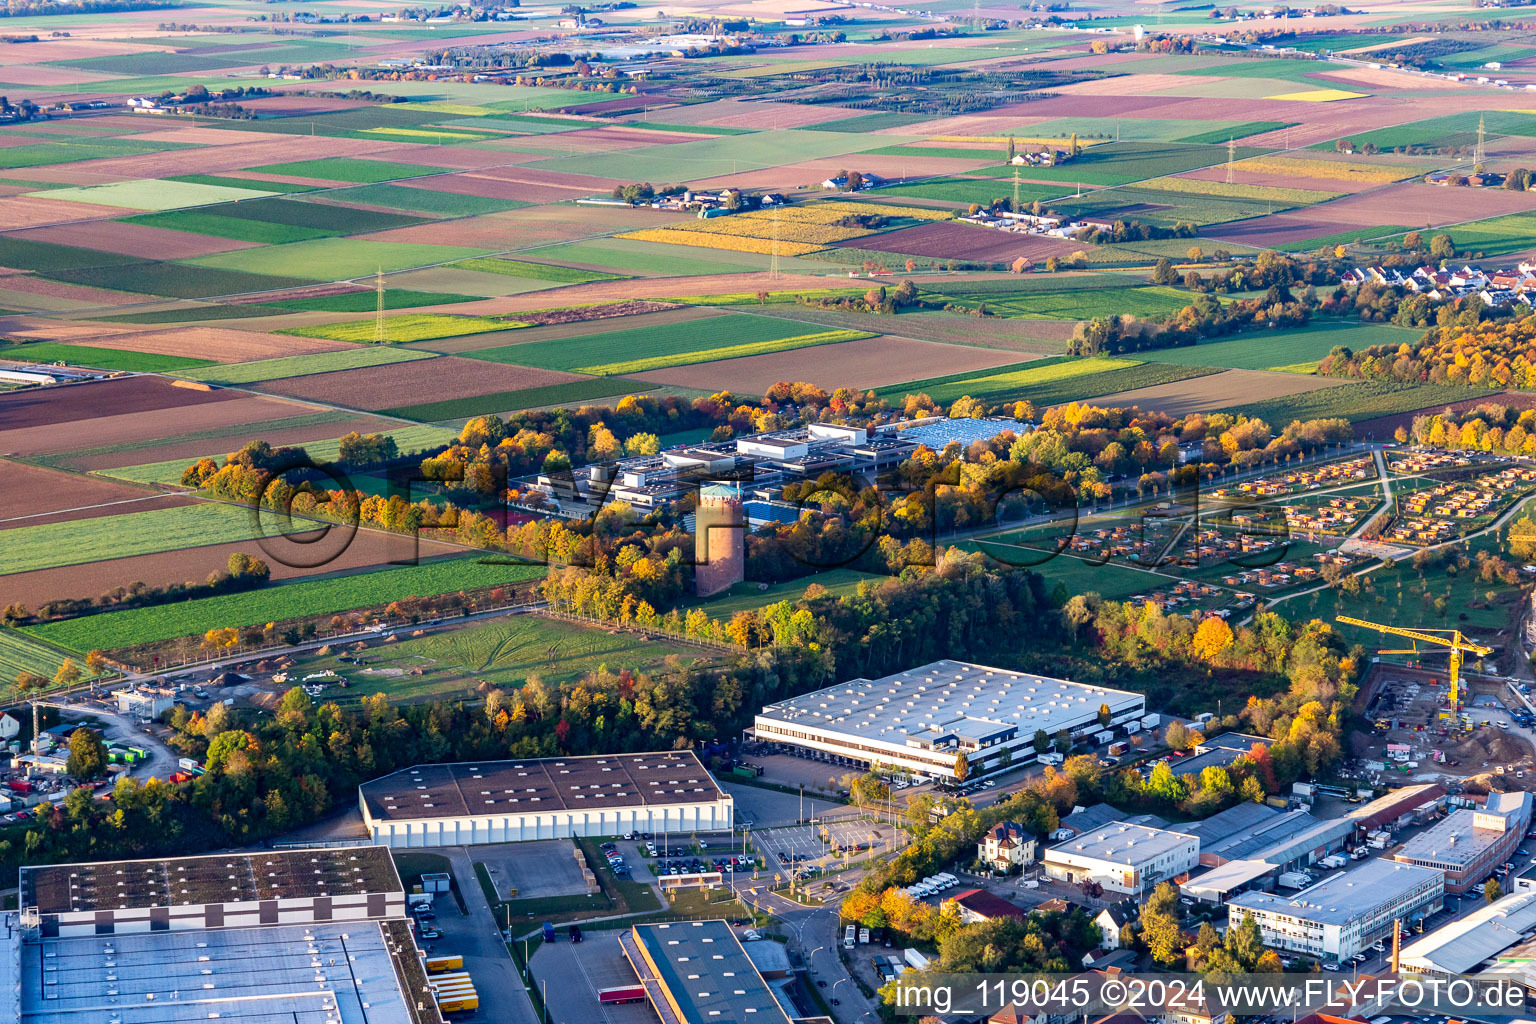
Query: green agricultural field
point(319, 362)
point(137, 533)
point(99, 358)
point(365, 301)
point(189, 314)
point(573, 392)
point(1218, 136)
point(1074, 380)
point(175, 280)
point(155, 194)
point(864, 123)
point(535, 271)
point(408, 439)
point(628, 256)
point(974, 190)
point(1360, 400)
point(20, 653)
point(1072, 303)
point(1354, 236)
point(724, 154)
point(225, 181)
point(201, 222)
point(279, 602)
point(1449, 130)
point(410, 327)
point(594, 353)
point(1120, 163)
point(342, 168)
point(42, 154)
point(716, 354)
point(47, 258)
point(331, 259)
point(1496, 236)
point(503, 652)
point(1020, 375)
point(1261, 349)
point(1265, 67)
point(421, 200)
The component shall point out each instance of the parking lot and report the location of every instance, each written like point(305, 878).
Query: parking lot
point(546, 867)
point(569, 974)
point(783, 845)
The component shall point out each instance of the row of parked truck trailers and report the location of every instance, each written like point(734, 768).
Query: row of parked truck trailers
point(451, 984)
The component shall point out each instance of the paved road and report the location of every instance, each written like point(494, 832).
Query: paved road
point(477, 938)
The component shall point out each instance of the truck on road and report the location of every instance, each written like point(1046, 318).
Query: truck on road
point(549, 932)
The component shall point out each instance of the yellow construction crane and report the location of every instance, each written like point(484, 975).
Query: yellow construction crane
point(1455, 641)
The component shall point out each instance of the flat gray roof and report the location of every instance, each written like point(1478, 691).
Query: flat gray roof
point(1278, 836)
point(285, 974)
point(1123, 843)
point(1343, 897)
point(214, 878)
point(948, 697)
point(1456, 841)
point(1236, 820)
point(473, 789)
point(707, 973)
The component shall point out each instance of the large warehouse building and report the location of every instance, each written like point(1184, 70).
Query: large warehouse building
point(294, 936)
point(922, 719)
point(544, 798)
point(696, 972)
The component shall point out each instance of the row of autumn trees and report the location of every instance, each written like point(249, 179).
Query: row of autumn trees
point(1465, 350)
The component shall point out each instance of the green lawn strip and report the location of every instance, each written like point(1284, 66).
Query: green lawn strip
point(567, 393)
point(1259, 350)
point(46, 257)
point(278, 602)
point(644, 343)
point(175, 280)
point(407, 328)
point(364, 301)
point(341, 168)
point(1219, 136)
point(1493, 236)
point(1360, 400)
point(239, 229)
point(421, 200)
point(1092, 380)
point(319, 362)
point(536, 271)
point(99, 358)
point(227, 182)
point(50, 545)
point(714, 355)
point(332, 259)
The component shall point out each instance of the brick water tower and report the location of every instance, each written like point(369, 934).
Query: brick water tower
point(719, 545)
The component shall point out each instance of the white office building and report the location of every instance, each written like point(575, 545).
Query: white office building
point(1346, 913)
point(922, 719)
point(1124, 858)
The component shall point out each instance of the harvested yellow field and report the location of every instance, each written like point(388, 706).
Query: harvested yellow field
point(736, 243)
point(1269, 193)
point(795, 230)
point(1319, 95)
point(1341, 170)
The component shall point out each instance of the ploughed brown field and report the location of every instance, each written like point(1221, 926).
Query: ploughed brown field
point(132, 240)
point(966, 242)
point(37, 495)
point(228, 441)
point(867, 363)
point(1216, 391)
point(424, 380)
point(220, 344)
point(366, 549)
